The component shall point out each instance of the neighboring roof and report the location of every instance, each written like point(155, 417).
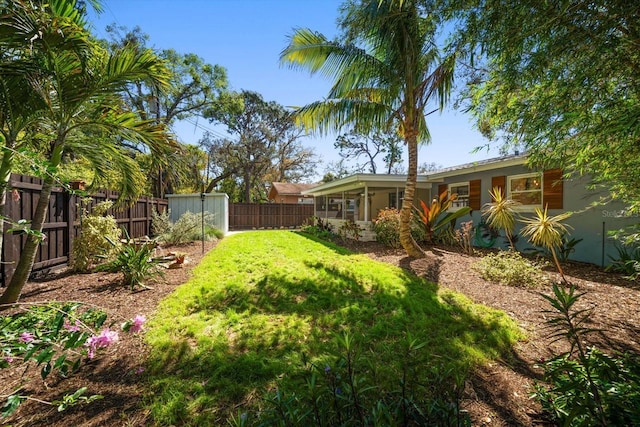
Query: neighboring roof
point(290, 189)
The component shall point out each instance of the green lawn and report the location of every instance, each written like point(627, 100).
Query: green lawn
point(260, 300)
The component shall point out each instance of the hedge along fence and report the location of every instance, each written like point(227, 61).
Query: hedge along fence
point(62, 223)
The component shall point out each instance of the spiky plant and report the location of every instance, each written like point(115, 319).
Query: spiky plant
point(546, 231)
point(501, 213)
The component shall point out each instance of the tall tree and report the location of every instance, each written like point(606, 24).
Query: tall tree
point(266, 146)
point(196, 90)
point(562, 79)
point(21, 105)
point(386, 83)
point(353, 145)
point(81, 89)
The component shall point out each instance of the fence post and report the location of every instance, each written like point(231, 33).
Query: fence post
point(71, 219)
point(147, 211)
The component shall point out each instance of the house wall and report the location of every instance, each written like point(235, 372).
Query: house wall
point(589, 223)
point(380, 200)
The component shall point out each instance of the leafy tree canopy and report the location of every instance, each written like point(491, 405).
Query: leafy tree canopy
point(265, 147)
point(353, 145)
point(196, 90)
point(561, 79)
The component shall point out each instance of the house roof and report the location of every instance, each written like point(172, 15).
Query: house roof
point(290, 189)
point(481, 165)
point(362, 180)
point(359, 181)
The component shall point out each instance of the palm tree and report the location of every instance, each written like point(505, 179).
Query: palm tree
point(388, 85)
point(501, 214)
point(21, 104)
point(546, 231)
point(81, 90)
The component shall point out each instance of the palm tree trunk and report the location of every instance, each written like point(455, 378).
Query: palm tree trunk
point(406, 239)
point(5, 176)
point(27, 257)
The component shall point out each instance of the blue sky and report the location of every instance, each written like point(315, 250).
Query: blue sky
point(246, 37)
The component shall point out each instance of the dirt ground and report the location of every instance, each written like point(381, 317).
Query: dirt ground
point(495, 395)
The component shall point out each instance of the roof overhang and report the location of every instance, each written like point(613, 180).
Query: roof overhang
point(360, 181)
point(480, 166)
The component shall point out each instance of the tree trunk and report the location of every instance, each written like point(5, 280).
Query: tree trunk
point(27, 257)
point(406, 239)
point(5, 177)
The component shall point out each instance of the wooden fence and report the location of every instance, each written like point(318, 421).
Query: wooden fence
point(62, 224)
point(248, 216)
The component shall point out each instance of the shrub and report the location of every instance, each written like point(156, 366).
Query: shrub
point(54, 338)
point(318, 227)
point(510, 268)
point(464, 236)
point(387, 228)
point(93, 243)
point(188, 228)
point(134, 261)
point(627, 262)
point(344, 390)
point(437, 220)
point(585, 385)
point(350, 230)
point(160, 222)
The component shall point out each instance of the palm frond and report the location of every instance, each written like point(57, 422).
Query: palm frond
point(325, 116)
point(545, 230)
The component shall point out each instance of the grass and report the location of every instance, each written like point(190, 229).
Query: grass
point(261, 299)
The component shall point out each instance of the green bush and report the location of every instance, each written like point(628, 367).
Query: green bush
point(160, 222)
point(318, 227)
point(344, 390)
point(93, 243)
point(510, 268)
point(387, 228)
point(51, 338)
point(584, 385)
point(188, 228)
point(350, 230)
point(135, 262)
point(627, 262)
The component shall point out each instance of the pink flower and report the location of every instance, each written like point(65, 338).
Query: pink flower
point(15, 195)
point(72, 328)
point(138, 323)
point(106, 338)
point(140, 370)
point(7, 358)
point(26, 337)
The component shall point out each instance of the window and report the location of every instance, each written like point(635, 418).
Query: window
point(525, 189)
point(394, 202)
point(462, 190)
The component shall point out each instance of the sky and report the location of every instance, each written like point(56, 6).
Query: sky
point(246, 37)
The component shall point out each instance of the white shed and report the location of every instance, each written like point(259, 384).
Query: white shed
point(216, 204)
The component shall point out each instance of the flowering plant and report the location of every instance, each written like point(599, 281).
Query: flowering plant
point(58, 337)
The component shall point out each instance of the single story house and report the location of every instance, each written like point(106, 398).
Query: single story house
point(359, 198)
point(286, 192)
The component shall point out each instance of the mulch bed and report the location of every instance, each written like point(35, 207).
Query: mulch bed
point(495, 395)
